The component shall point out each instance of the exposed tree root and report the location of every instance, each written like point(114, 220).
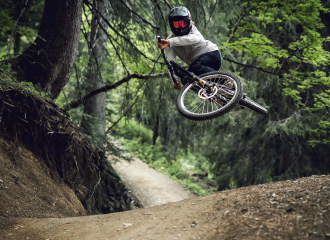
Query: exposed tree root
point(46, 130)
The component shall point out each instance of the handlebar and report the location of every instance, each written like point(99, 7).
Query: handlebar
point(159, 39)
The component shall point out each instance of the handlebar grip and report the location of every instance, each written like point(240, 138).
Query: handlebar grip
point(159, 40)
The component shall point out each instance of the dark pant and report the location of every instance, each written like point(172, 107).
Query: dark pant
point(208, 62)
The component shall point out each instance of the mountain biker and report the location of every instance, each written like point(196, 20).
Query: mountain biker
point(186, 42)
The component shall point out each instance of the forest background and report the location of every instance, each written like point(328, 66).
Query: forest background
point(119, 87)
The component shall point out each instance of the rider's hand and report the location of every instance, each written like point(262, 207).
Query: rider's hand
point(177, 86)
point(164, 44)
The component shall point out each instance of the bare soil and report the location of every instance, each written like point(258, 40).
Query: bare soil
point(293, 209)
point(27, 188)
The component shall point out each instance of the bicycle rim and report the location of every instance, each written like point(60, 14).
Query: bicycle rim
point(196, 104)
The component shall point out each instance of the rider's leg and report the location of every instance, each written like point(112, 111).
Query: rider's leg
point(208, 62)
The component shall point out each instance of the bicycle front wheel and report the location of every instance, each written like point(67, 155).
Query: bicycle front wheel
point(196, 103)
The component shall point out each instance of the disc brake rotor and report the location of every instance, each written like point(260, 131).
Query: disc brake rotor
point(204, 95)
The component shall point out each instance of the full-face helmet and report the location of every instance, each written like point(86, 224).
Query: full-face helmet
point(180, 21)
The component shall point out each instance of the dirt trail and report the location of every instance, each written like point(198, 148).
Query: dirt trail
point(295, 209)
point(152, 188)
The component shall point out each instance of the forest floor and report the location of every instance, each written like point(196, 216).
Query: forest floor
point(34, 207)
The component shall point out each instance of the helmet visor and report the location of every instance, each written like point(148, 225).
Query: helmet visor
point(178, 24)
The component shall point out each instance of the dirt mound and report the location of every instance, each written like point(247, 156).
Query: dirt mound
point(62, 149)
point(295, 209)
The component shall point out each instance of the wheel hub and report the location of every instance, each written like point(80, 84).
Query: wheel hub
point(203, 93)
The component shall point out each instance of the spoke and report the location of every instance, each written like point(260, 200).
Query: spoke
point(198, 107)
point(217, 80)
point(201, 104)
point(193, 107)
point(190, 107)
point(215, 104)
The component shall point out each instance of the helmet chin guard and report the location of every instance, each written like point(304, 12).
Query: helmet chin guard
point(180, 21)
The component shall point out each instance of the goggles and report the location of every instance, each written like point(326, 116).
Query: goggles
point(182, 24)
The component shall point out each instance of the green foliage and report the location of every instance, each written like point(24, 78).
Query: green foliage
point(17, 21)
point(286, 36)
point(323, 131)
point(8, 80)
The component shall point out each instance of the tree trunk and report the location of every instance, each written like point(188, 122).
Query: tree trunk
point(50, 60)
point(96, 105)
point(17, 44)
point(156, 130)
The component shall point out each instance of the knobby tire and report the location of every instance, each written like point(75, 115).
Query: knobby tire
point(249, 103)
point(211, 115)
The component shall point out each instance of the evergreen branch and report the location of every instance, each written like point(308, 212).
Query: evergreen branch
point(94, 10)
point(117, 53)
point(274, 35)
point(326, 106)
point(89, 44)
point(113, 125)
point(137, 91)
point(167, 4)
point(142, 19)
point(12, 33)
point(216, 3)
point(77, 77)
point(106, 88)
point(158, 7)
point(250, 66)
point(237, 23)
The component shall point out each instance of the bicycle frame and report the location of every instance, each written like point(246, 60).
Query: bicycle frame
point(174, 67)
point(194, 78)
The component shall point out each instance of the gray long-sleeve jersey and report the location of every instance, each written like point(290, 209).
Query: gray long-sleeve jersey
point(188, 47)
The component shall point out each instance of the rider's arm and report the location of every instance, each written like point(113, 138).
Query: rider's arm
point(192, 38)
point(170, 56)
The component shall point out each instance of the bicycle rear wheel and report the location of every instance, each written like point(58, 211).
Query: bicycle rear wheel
point(196, 103)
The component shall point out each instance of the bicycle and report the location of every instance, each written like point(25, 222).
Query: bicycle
point(209, 95)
